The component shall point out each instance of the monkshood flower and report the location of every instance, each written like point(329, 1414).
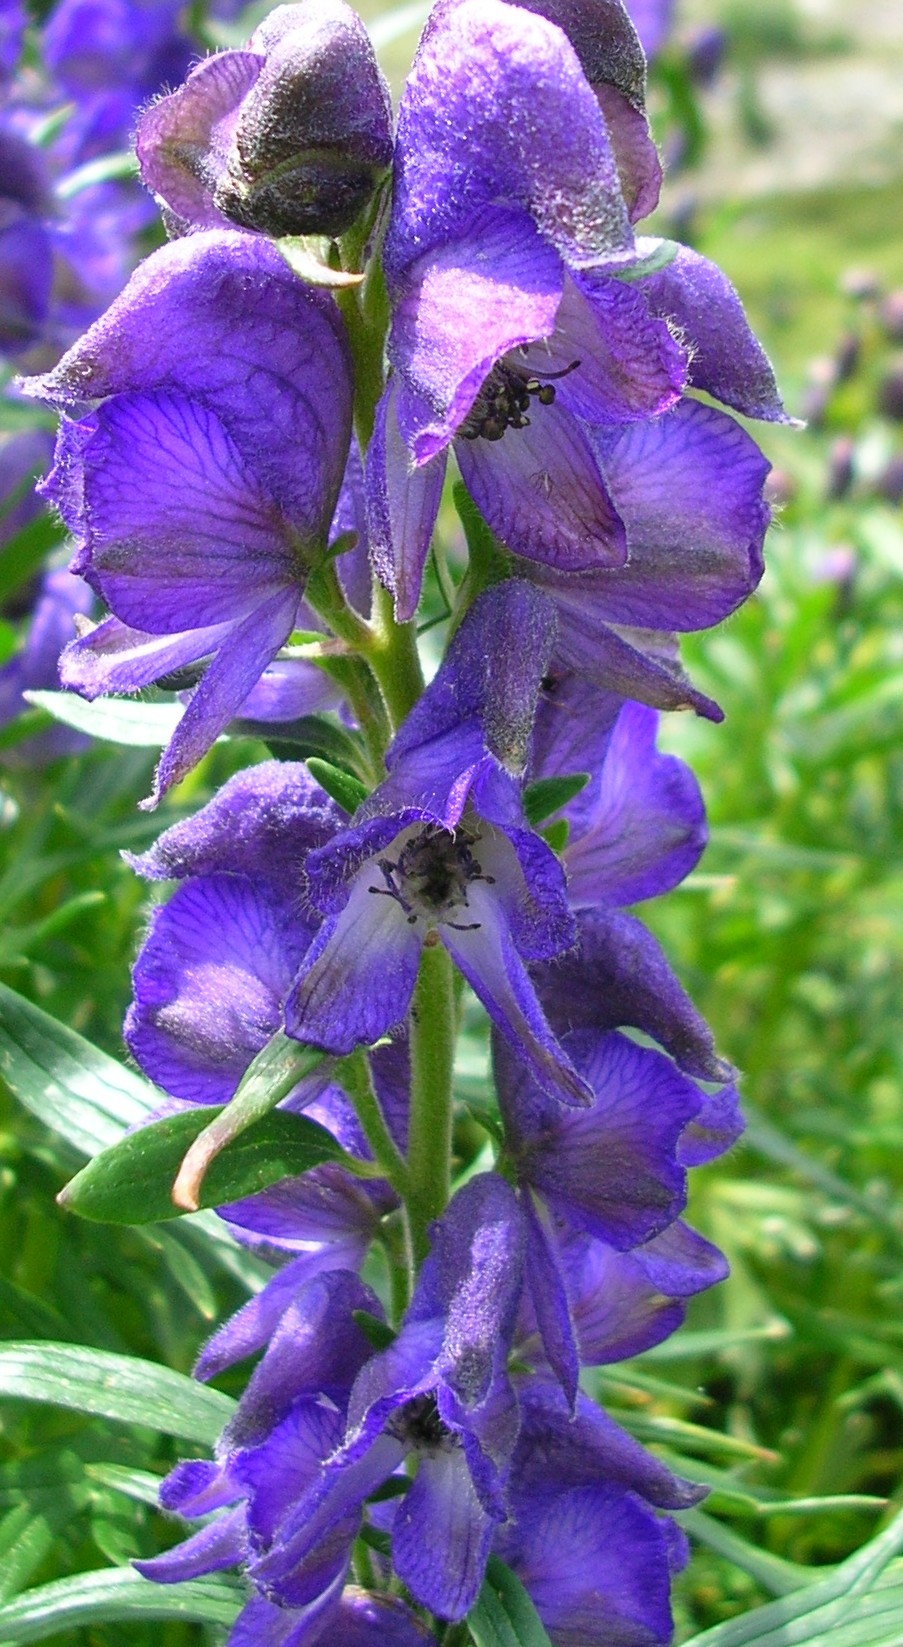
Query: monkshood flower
point(201, 485)
point(440, 853)
point(638, 827)
point(440, 1392)
point(614, 1171)
point(288, 136)
point(583, 1535)
point(634, 831)
point(209, 986)
point(564, 402)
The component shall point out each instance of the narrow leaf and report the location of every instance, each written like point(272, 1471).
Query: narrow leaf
point(120, 1387)
point(112, 1595)
point(64, 1081)
point(549, 795)
point(306, 256)
point(503, 1614)
point(278, 1067)
point(131, 1182)
point(347, 792)
point(659, 254)
point(113, 720)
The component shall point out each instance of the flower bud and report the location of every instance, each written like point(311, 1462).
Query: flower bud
point(287, 137)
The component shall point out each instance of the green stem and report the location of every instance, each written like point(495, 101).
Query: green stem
point(394, 658)
point(354, 1073)
point(433, 1024)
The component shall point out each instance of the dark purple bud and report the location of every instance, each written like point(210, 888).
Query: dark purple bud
point(890, 315)
point(289, 136)
point(889, 484)
point(841, 468)
point(846, 357)
point(890, 391)
point(706, 55)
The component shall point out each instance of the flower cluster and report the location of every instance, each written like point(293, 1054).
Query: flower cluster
point(418, 1412)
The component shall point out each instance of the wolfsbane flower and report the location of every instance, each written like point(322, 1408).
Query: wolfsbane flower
point(201, 485)
point(288, 136)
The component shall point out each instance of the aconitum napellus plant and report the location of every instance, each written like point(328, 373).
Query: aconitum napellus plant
point(255, 448)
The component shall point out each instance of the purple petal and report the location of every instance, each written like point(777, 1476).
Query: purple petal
point(317, 1535)
point(262, 1624)
point(177, 532)
point(717, 1126)
point(541, 490)
point(255, 1323)
point(220, 1545)
point(377, 1621)
point(595, 1564)
point(726, 360)
point(114, 658)
point(183, 140)
point(550, 1304)
point(609, 1168)
point(223, 311)
point(289, 689)
point(689, 488)
point(357, 978)
point(465, 305)
point(227, 681)
point(209, 984)
point(681, 1262)
point(317, 1351)
point(619, 975)
point(618, 1310)
point(492, 966)
point(584, 1447)
point(630, 366)
point(262, 823)
point(491, 674)
point(441, 1536)
point(402, 505)
point(611, 57)
point(644, 829)
point(486, 79)
point(635, 663)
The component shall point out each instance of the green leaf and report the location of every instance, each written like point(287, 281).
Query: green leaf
point(269, 1078)
point(657, 254)
point(28, 1534)
point(114, 1594)
point(120, 1387)
point(549, 795)
point(64, 1081)
point(307, 255)
point(26, 552)
point(556, 834)
point(309, 735)
point(378, 1333)
point(131, 1182)
point(346, 791)
point(503, 1614)
point(113, 720)
point(851, 1607)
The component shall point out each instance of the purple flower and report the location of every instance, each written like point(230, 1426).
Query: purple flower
point(442, 1392)
point(638, 828)
point(440, 852)
point(199, 507)
point(209, 986)
point(583, 1535)
point(564, 401)
point(288, 136)
point(613, 1171)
